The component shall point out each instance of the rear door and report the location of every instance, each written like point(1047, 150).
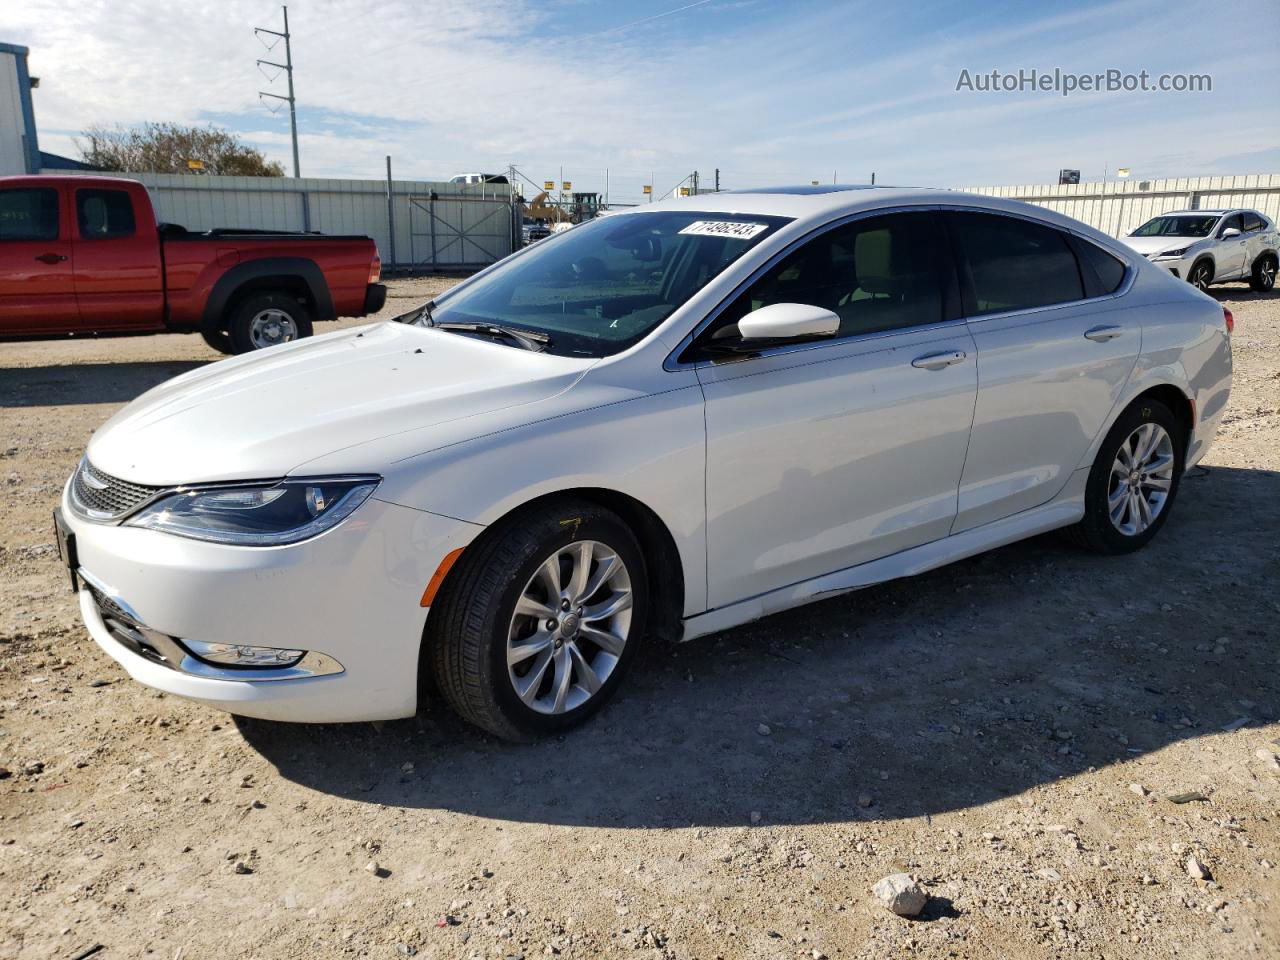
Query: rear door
point(1055, 348)
point(37, 289)
point(826, 454)
point(119, 276)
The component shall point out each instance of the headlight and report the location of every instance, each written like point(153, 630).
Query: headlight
point(1171, 254)
point(258, 515)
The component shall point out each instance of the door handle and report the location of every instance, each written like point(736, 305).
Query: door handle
point(936, 361)
point(51, 258)
point(1103, 334)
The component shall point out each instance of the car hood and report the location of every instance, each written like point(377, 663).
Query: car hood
point(259, 416)
point(1149, 245)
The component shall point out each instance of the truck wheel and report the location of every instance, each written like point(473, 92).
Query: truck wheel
point(264, 320)
point(1264, 273)
point(220, 340)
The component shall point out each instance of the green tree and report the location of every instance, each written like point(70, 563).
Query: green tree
point(171, 148)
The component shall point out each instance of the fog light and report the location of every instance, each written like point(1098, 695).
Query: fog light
point(241, 655)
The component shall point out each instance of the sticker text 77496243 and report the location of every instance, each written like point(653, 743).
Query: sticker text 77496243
point(724, 228)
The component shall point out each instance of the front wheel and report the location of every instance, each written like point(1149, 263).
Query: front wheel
point(1134, 480)
point(266, 319)
point(1201, 275)
point(1263, 278)
point(537, 624)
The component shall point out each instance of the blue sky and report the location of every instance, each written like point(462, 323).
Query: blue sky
point(766, 90)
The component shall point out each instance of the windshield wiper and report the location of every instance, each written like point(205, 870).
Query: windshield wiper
point(529, 339)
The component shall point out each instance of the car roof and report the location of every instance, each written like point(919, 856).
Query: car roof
point(809, 204)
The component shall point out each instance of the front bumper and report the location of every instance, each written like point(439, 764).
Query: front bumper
point(1178, 266)
point(350, 597)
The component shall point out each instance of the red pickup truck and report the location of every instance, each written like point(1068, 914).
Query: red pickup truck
point(85, 255)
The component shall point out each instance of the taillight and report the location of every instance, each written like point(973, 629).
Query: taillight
point(1231, 321)
point(375, 269)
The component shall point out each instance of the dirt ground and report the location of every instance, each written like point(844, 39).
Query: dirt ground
point(1009, 729)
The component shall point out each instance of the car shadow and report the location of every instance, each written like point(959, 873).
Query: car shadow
point(974, 682)
point(1240, 293)
point(84, 383)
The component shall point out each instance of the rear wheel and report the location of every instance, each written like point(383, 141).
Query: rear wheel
point(264, 320)
point(1134, 480)
point(539, 621)
point(1201, 275)
point(1263, 278)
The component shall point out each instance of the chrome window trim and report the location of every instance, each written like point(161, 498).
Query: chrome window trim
point(1130, 277)
point(672, 363)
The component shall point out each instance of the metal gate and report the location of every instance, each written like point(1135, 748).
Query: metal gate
point(459, 232)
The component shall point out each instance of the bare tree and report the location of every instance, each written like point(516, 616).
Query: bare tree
point(171, 148)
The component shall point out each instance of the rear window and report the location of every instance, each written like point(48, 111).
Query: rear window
point(104, 213)
point(29, 214)
point(1014, 264)
point(1108, 269)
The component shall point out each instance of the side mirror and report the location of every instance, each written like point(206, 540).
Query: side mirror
point(782, 321)
point(1230, 232)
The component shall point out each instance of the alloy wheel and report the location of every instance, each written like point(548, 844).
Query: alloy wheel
point(1200, 277)
point(1267, 273)
point(569, 628)
point(1141, 477)
point(270, 327)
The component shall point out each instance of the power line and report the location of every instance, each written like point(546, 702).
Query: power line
point(287, 67)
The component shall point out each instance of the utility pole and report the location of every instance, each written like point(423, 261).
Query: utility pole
point(287, 67)
point(717, 179)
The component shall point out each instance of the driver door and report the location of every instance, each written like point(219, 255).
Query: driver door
point(833, 452)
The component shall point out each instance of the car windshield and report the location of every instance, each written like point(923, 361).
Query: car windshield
point(602, 286)
point(1181, 226)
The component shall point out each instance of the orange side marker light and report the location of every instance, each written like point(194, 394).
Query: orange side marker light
point(437, 578)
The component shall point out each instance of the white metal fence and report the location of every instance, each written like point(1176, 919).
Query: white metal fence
point(1119, 207)
point(436, 225)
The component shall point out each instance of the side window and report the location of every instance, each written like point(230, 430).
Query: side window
point(1107, 269)
point(29, 214)
point(1235, 220)
point(1014, 264)
point(877, 274)
point(1252, 223)
point(104, 213)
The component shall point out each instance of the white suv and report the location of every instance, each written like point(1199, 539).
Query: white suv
point(1212, 246)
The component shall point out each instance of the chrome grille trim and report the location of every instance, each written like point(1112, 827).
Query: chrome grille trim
point(99, 496)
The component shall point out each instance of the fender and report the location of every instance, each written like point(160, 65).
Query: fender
point(265, 268)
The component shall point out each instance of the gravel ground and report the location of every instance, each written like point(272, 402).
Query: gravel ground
point(1008, 729)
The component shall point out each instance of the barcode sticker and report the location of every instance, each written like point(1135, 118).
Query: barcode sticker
point(724, 228)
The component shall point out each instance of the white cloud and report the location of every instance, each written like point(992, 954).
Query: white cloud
point(768, 93)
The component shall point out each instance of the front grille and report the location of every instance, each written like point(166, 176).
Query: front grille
point(101, 496)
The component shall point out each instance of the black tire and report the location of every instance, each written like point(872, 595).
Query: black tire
point(240, 318)
point(1096, 532)
point(466, 634)
point(220, 340)
point(1201, 275)
point(1263, 278)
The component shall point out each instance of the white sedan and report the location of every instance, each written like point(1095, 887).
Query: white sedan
point(659, 424)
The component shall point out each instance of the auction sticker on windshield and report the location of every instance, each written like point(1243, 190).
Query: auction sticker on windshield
point(725, 228)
